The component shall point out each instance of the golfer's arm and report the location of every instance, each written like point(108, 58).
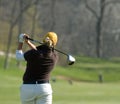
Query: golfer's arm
point(19, 52)
point(20, 46)
point(31, 45)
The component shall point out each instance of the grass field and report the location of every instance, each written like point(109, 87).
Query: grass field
point(64, 92)
point(84, 89)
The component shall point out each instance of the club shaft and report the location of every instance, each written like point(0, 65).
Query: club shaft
point(42, 43)
point(34, 40)
point(61, 52)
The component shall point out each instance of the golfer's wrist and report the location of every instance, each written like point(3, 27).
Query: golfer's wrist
point(28, 42)
point(32, 46)
point(20, 46)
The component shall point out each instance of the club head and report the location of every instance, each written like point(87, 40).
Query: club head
point(71, 60)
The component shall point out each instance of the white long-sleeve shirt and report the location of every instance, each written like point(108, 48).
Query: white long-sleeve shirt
point(19, 55)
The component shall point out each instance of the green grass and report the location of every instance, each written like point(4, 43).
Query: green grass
point(9, 86)
point(85, 87)
point(63, 91)
point(86, 93)
point(89, 69)
point(85, 69)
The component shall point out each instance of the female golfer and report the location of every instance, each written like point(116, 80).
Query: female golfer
point(41, 60)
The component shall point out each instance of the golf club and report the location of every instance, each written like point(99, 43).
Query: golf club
point(70, 59)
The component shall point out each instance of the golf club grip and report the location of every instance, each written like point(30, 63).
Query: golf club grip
point(34, 40)
point(30, 39)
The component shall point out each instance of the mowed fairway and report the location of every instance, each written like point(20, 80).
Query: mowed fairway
point(63, 92)
point(86, 93)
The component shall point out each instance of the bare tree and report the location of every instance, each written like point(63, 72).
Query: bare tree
point(21, 17)
point(34, 19)
point(99, 20)
point(52, 15)
point(9, 36)
point(13, 22)
point(20, 22)
point(80, 22)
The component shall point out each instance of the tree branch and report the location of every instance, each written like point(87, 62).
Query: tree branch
point(23, 10)
point(111, 2)
point(91, 10)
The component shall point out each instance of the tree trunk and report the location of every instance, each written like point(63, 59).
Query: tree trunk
point(9, 36)
point(52, 15)
point(20, 23)
point(13, 22)
point(99, 39)
point(8, 46)
point(34, 20)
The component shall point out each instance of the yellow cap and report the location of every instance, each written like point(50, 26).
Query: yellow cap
point(52, 36)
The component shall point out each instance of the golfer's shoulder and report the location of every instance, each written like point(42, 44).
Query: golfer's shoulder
point(31, 52)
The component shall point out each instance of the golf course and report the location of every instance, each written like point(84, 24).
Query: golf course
point(76, 84)
point(73, 44)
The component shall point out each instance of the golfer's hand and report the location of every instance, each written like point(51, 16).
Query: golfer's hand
point(21, 38)
point(26, 36)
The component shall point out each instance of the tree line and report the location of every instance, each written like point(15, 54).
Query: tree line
point(84, 27)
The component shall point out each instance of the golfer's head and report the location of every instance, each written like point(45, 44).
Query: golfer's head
point(50, 39)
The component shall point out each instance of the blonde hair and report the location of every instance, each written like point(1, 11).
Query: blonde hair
point(50, 39)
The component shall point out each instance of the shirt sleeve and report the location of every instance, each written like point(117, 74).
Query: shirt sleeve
point(19, 55)
point(31, 55)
